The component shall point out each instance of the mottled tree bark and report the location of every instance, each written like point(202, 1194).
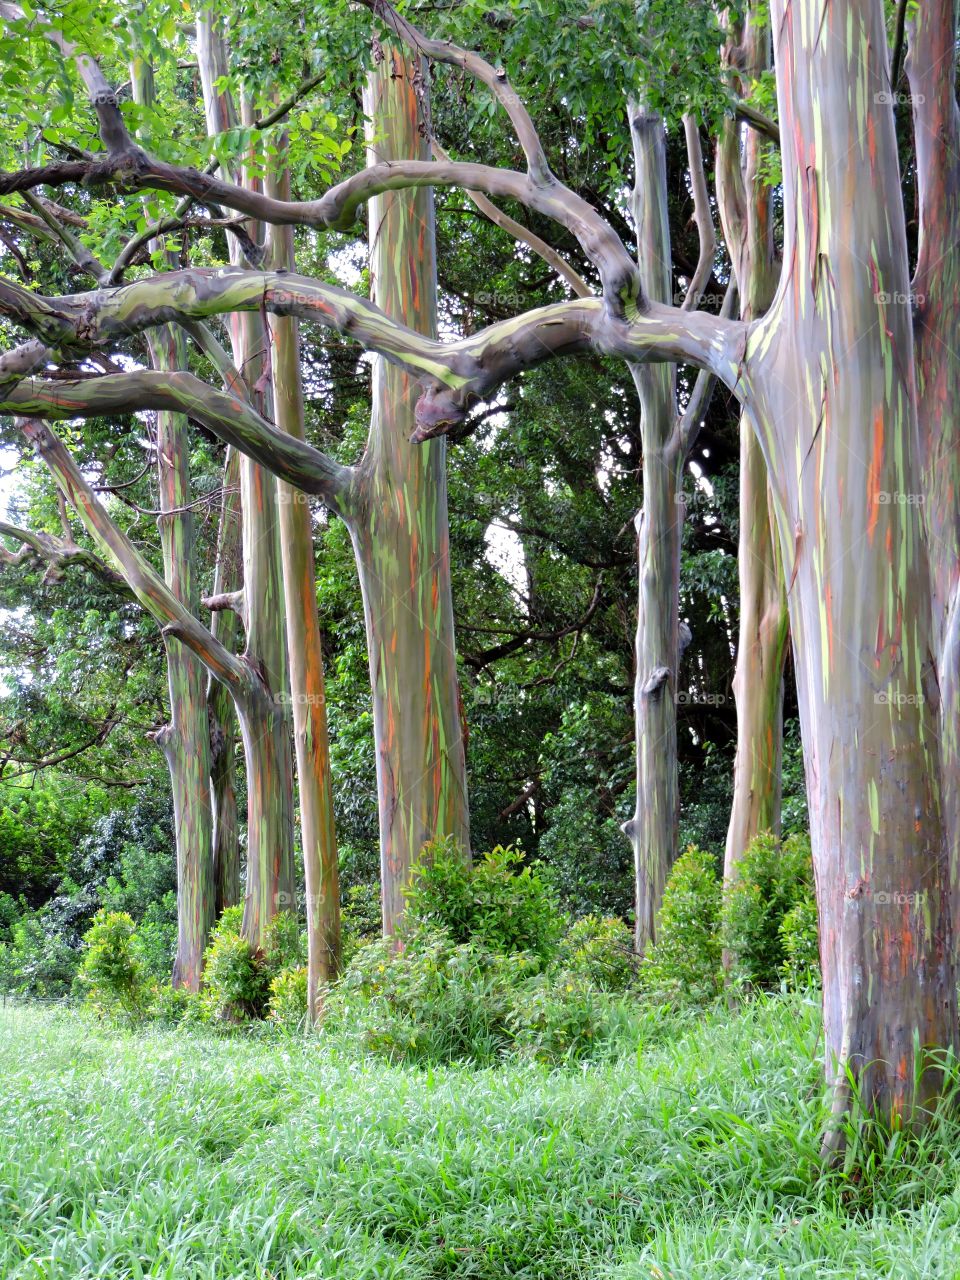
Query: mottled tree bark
point(744, 202)
point(185, 741)
point(653, 830)
point(935, 297)
point(828, 377)
point(223, 720)
point(270, 882)
point(308, 695)
point(397, 515)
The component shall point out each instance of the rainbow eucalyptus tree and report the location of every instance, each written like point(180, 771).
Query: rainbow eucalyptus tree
point(396, 510)
point(827, 379)
point(270, 884)
point(932, 81)
point(667, 438)
point(315, 783)
point(745, 204)
point(185, 741)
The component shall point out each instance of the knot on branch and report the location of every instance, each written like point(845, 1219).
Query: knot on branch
point(653, 686)
point(438, 411)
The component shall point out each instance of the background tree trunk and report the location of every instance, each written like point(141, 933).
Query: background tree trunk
point(653, 829)
point(185, 741)
point(270, 876)
point(223, 720)
point(744, 202)
point(398, 521)
point(935, 297)
point(317, 832)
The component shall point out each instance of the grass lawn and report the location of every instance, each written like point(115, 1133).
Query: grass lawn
point(186, 1155)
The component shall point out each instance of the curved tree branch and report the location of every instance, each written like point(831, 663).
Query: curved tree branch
point(226, 416)
point(524, 235)
point(456, 374)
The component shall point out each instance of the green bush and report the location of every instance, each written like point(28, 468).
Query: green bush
point(36, 961)
point(172, 1006)
point(287, 1004)
point(285, 943)
point(558, 1015)
point(361, 917)
point(112, 971)
point(684, 963)
point(600, 950)
point(235, 980)
point(157, 939)
point(773, 877)
point(437, 1000)
point(495, 902)
point(231, 919)
point(800, 940)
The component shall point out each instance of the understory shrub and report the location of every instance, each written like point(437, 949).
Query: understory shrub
point(36, 961)
point(235, 979)
point(112, 972)
point(361, 918)
point(172, 1006)
point(287, 1003)
point(496, 901)
point(774, 878)
point(801, 949)
point(441, 1000)
point(684, 964)
point(600, 950)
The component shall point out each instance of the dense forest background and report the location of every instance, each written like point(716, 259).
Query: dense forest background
point(542, 496)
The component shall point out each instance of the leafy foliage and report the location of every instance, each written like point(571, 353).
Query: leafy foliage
point(112, 972)
point(773, 879)
point(684, 962)
point(496, 901)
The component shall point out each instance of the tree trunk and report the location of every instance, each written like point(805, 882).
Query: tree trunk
point(397, 515)
point(317, 832)
point(185, 741)
point(828, 376)
point(744, 201)
point(935, 296)
point(223, 719)
point(270, 877)
point(761, 651)
point(653, 830)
